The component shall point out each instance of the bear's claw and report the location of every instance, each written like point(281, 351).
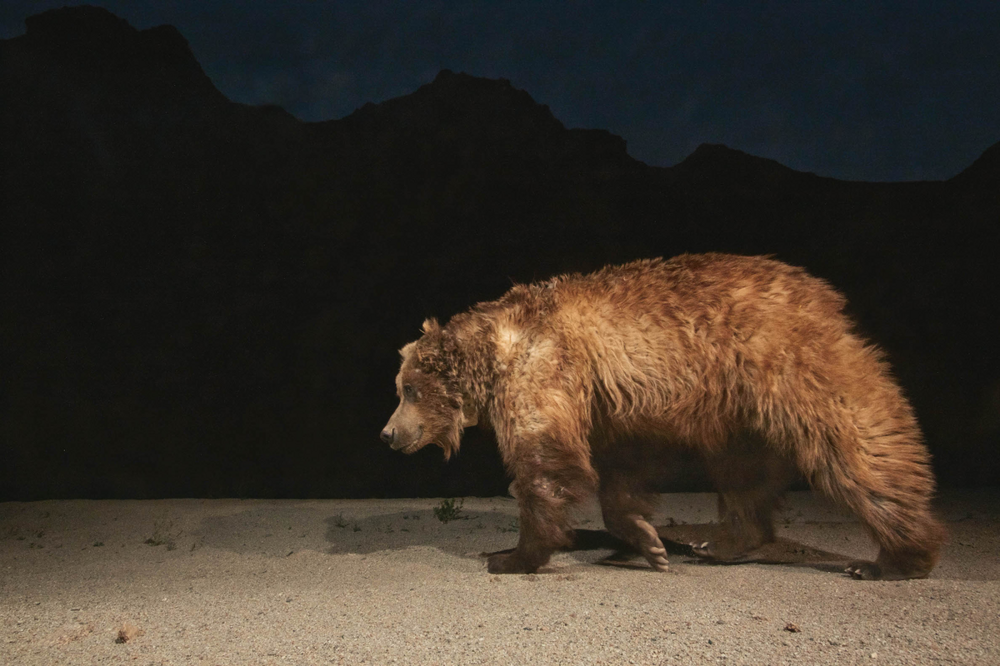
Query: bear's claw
point(702, 549)
point(659, 563)
point(861, 570)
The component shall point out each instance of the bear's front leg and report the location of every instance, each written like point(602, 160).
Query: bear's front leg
point(544, 446)
point(626, 512)
point(543, 526)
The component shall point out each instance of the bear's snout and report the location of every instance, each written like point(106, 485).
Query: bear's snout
point(400, 438)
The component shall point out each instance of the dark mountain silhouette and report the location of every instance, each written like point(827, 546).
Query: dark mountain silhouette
point(712, 165)
point(984, 170)
point(204, 298)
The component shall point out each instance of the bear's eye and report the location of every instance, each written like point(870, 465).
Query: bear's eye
point(409, 393)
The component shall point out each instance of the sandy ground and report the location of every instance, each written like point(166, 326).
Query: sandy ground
point(386, 581)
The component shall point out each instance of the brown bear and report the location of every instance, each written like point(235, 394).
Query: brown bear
point(589, 380)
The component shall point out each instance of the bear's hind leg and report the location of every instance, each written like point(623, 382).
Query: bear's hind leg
point(882, 472)
point(750, 480)
point(893, 503)
point(908, 535)
point(626, 515)
point(745, 525)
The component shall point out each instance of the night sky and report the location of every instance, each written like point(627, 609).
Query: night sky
point(880, 91)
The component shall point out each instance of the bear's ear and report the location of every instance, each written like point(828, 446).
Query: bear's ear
point(431, 325)
point(407, 349)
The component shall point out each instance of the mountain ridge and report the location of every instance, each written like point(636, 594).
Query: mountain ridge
point(89, 37)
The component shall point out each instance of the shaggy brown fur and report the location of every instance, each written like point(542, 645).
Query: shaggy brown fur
point(588, 379)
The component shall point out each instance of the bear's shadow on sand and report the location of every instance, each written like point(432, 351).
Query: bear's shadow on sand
point(280, 532)
point(678, 540)
point(460, 537)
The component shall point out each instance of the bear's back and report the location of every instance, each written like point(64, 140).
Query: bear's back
point(650, 331)
point(700, 287)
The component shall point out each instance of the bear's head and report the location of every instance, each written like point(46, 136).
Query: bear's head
point(432, 409)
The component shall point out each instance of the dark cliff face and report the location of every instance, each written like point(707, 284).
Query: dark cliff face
point(205, 298)
point(153, 65)
point(83, 85)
